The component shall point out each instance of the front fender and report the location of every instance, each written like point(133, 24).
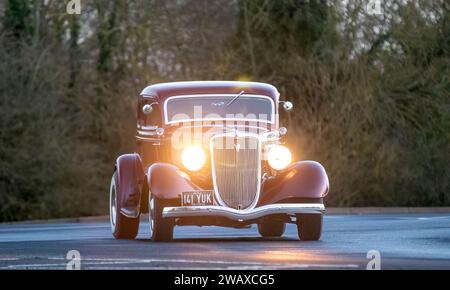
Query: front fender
point(166, 181)
point(303, 180)
point(131, 180)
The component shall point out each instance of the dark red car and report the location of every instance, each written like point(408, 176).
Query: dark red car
point(212, 153)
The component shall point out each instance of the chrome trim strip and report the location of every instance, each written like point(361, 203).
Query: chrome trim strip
point(243, 215)
point(272, 121)
point(147, 133)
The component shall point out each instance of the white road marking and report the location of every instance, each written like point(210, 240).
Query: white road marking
point(152, 260)
point(432, 218)
point(231, 265)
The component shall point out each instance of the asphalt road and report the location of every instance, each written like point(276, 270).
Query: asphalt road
point(403, 241)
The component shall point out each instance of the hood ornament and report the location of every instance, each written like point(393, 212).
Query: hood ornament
point(237, 146)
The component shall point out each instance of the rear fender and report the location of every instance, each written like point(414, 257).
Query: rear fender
point(302, 180)
point(131, 183)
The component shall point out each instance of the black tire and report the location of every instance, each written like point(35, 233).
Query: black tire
point(122, 227)
point(161, 230)
point(271, 228)
point(309, 226)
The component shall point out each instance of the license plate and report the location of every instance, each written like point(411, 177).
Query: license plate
point(197, 198)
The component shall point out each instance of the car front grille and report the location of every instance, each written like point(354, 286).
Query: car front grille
point(236, 169)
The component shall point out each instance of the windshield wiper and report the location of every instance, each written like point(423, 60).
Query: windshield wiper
point(234, 99)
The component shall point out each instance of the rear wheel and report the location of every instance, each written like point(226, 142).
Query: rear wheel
point(309, 226)
point(161, 229)
point(271, 228)
point(122, 227)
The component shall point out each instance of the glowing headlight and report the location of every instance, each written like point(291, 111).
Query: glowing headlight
point(279, 157)
point(193, 158)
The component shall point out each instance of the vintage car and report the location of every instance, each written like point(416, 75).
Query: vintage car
point(211, 153)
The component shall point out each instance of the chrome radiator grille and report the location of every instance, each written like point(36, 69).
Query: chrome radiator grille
point(236, 169)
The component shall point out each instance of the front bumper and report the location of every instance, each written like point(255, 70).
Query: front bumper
point(243, 215)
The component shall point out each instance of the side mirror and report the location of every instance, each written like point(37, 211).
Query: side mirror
point(147, 109)
point(287, 106)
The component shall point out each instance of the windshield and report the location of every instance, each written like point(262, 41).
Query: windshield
point(246, 107)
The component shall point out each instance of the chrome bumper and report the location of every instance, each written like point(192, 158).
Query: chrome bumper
point(243, 215)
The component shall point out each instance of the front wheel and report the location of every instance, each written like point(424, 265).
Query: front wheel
point(122, 227)
point(161, 229)
point(271, 228)
point(309, 226)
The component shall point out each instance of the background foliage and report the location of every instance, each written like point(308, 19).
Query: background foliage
point(371, 91)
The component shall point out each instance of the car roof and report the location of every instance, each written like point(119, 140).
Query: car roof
point(162, 91)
